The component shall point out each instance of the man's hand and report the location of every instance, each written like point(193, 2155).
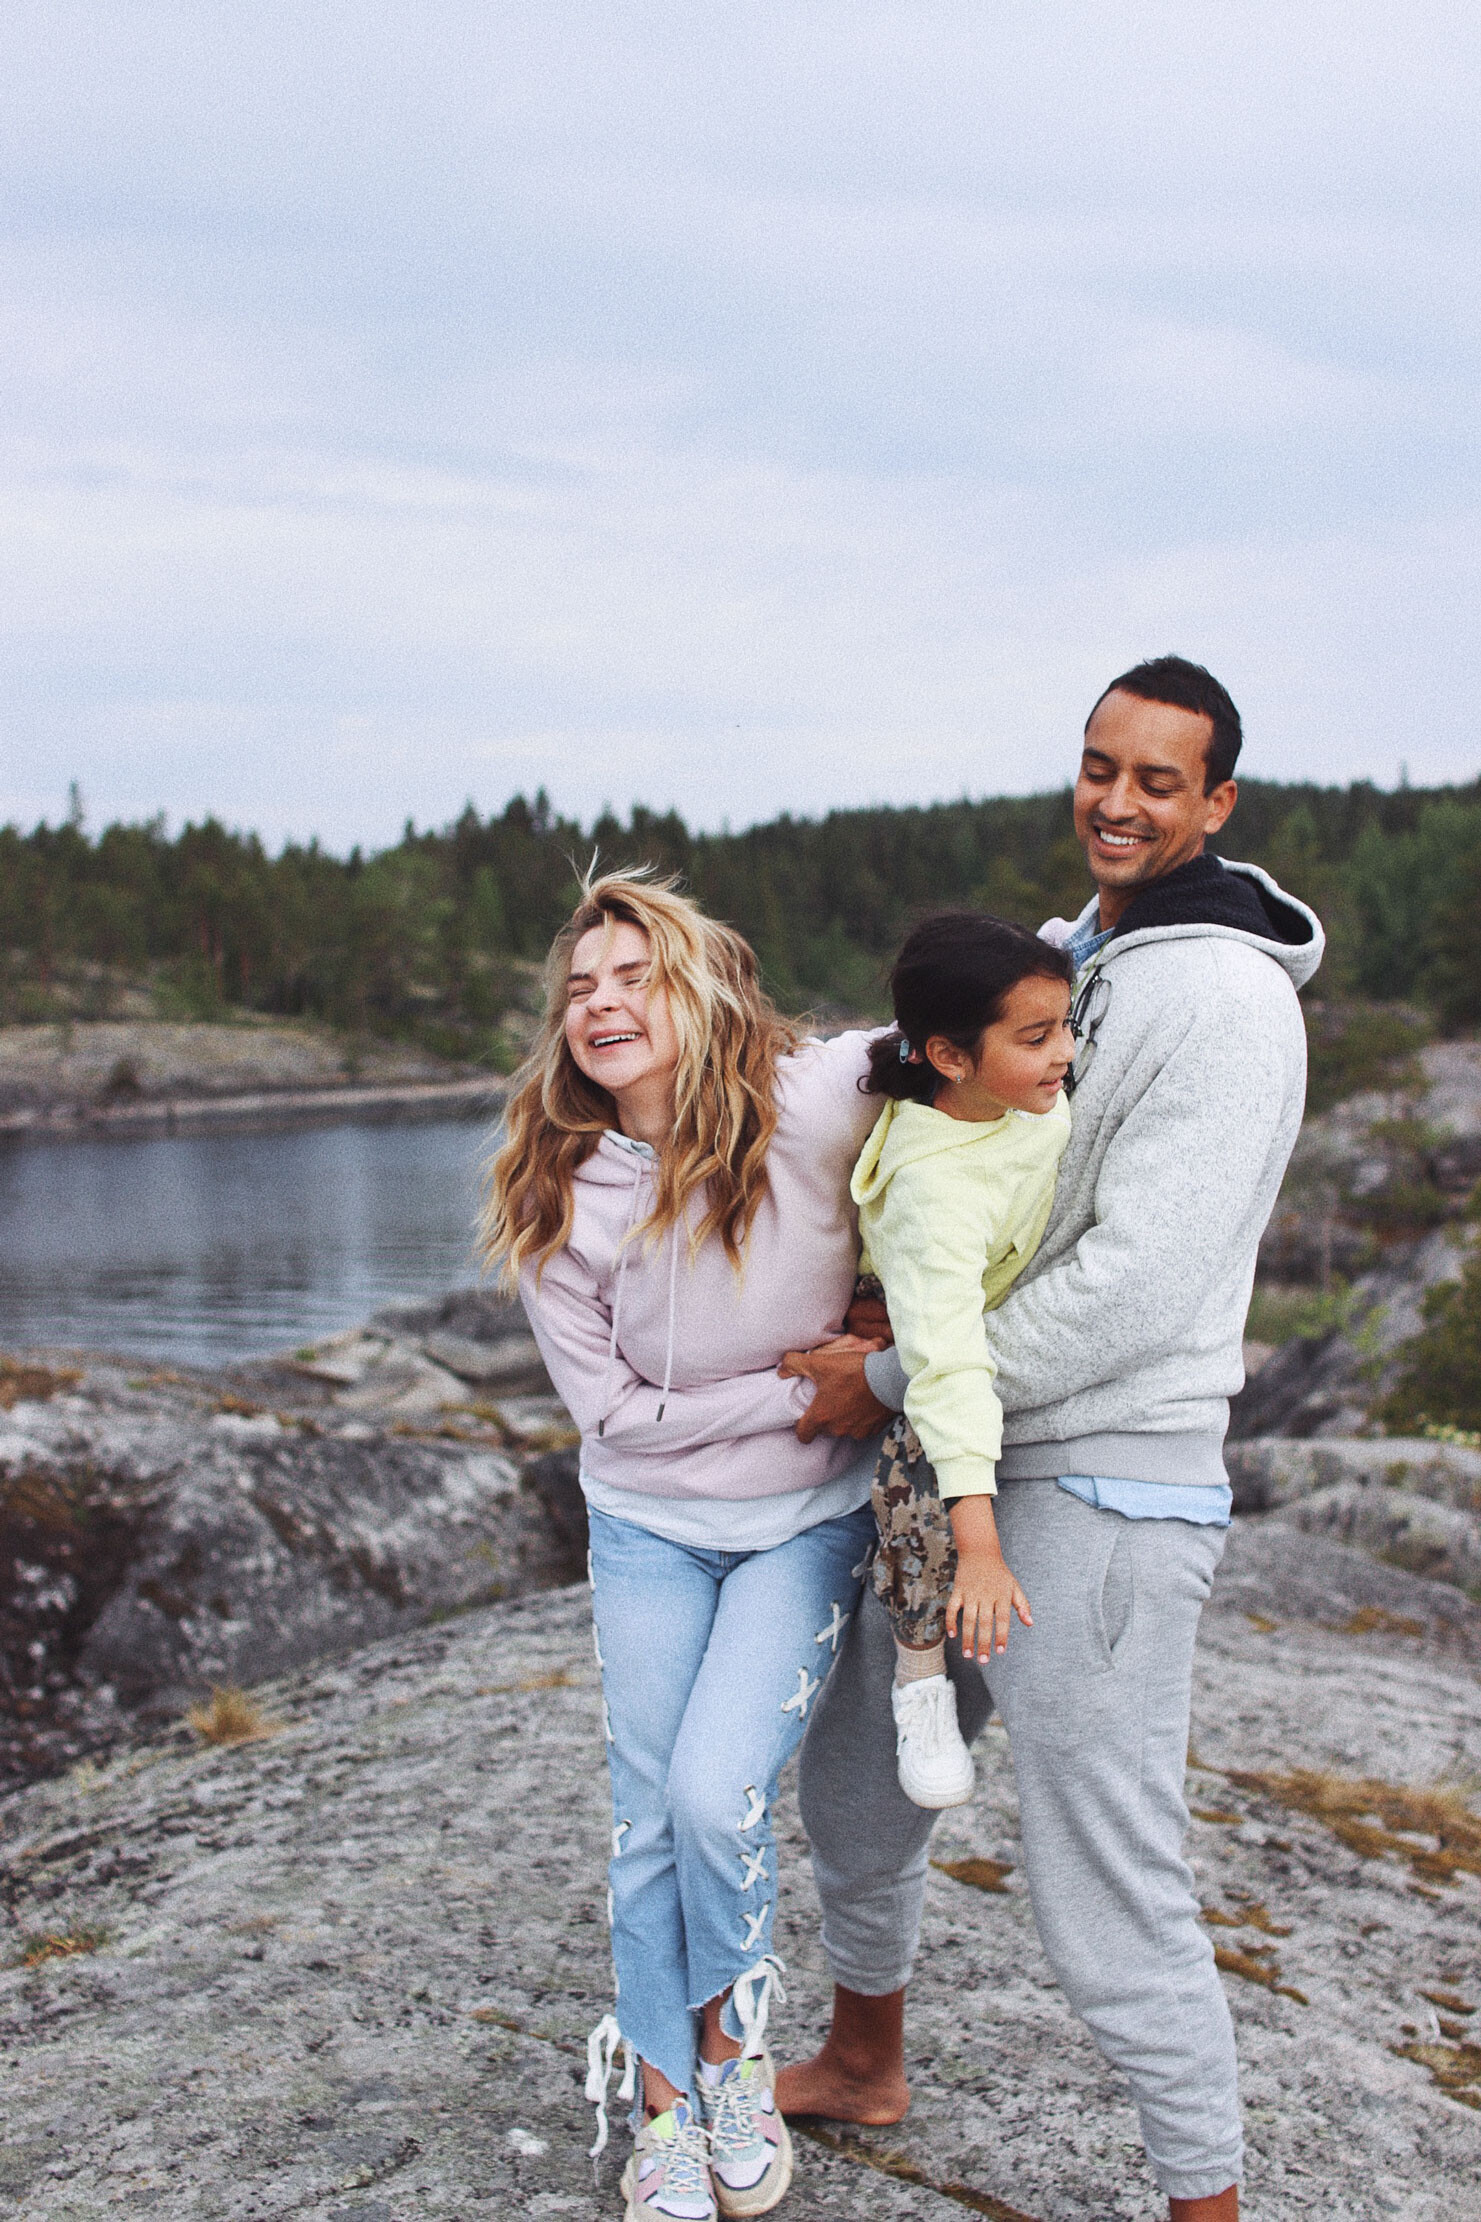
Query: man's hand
point(844, 1404)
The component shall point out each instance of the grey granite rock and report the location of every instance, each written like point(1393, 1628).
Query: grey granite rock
point(163, 1532)
point(1273, 1471)
point(347, 1970)
point(1409, 1501)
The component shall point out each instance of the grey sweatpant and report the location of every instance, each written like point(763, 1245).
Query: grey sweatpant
point(1095, 1700)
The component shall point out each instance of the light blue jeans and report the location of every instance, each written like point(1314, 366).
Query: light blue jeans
point(711, 1662)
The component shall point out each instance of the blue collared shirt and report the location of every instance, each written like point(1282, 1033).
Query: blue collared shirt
point(1086, 940)
point(1153, 1500)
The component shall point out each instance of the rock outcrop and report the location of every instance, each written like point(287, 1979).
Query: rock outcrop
point(346, 1967)
point(1374, 1212)
point(163, 1531)
point(1410, 1502)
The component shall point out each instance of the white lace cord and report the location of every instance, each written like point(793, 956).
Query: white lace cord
point(601, 2054)
point(632, 1212)
point(751, 2007)
point(668, 1357)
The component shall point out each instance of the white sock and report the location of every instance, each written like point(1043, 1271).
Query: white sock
point(710, 2071)
point(918, 1666)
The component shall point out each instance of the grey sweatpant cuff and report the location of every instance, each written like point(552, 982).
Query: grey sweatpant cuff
point(1178, 2184)
point(871, 1924)
point(866, 1981)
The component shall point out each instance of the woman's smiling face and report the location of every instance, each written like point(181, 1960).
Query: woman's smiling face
point(619, 1030)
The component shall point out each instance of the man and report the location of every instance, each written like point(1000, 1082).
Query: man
point(1117, 1354)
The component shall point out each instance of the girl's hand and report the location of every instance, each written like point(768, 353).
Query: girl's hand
point(984, 1594)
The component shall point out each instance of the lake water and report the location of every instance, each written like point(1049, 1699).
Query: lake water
point(206, 1247)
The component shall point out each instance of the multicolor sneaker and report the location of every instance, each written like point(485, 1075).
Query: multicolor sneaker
point(933, 1763)
point(669, 2172)
point(750, 2146)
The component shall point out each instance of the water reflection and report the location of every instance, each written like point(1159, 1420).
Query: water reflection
point(205, 1247)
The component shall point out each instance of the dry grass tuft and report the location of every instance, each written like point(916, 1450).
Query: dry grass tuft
point(1377, 1620)
point(1456, 2068)
point(982, 1874)
point(1450, 2000)
point(22, 1384)
point(1374, 1818)
point(56, 1944)
point(231, 1718)
point(1250, 1916)
point(1258, 1965)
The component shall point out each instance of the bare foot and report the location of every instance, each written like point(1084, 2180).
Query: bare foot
point(826, 2086)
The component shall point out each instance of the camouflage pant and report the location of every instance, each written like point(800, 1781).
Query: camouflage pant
point(915, 1564)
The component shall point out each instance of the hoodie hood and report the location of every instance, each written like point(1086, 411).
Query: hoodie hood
point(1209, 895)
point(908, 1133)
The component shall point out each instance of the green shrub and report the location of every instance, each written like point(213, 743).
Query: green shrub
point(1298, 1314)
point(1352, 1047)
point(1440, 1381)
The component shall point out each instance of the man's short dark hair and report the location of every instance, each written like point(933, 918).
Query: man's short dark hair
point(1188, 687)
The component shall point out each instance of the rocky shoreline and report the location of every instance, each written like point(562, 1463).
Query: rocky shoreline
point(152, 1076)
point(164, 1531)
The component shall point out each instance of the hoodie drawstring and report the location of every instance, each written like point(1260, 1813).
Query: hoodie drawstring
point(632, 1213)
point(668, 1356)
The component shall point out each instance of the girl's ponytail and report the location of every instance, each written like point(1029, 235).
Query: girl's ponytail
point(952, 978)
point(897, 1068)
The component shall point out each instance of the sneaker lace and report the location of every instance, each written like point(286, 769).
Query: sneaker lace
point(926, 1706)
point(601, 2055)
point(686, 2156)
point(731, 2106)
point(753, 1994)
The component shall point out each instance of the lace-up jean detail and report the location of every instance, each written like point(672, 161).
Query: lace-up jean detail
point(711, 1663)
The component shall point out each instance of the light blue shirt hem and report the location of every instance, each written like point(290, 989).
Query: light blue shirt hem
point(1153, 1500)
point(745, 1523)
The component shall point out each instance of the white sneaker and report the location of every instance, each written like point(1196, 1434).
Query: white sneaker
point(933, 1763)
point(668, 2176)
point(750, 2149)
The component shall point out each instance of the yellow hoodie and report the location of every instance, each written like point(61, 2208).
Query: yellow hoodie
point(950, 1213)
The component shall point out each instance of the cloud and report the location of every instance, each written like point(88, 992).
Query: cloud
point(740, 409)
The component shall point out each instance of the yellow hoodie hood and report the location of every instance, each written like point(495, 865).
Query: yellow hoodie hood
point(950, 1213)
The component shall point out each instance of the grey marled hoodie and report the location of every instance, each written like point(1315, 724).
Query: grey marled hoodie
point(1120, 1348)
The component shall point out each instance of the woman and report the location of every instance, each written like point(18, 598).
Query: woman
point(672, 1197)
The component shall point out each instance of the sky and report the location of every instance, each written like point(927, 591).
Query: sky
point(739, 409)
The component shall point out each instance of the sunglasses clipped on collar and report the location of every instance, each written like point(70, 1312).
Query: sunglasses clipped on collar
point(1087, 1012)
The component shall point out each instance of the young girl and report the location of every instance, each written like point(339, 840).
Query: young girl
point(673, 1198)
point(954, 1188)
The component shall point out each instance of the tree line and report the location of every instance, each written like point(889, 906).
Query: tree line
point(431, 938)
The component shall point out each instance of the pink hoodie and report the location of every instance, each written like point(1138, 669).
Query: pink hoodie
point(668, 1364)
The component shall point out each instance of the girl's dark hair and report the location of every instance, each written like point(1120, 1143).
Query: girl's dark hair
point(953, 977)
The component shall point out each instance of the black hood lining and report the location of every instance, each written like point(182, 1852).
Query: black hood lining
point(1204, 892)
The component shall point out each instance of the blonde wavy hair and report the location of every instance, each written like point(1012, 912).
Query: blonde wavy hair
point(730, 1042)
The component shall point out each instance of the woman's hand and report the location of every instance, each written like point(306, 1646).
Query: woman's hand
point(984, 1592)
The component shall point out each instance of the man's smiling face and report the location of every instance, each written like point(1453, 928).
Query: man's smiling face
point(1140, 808)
